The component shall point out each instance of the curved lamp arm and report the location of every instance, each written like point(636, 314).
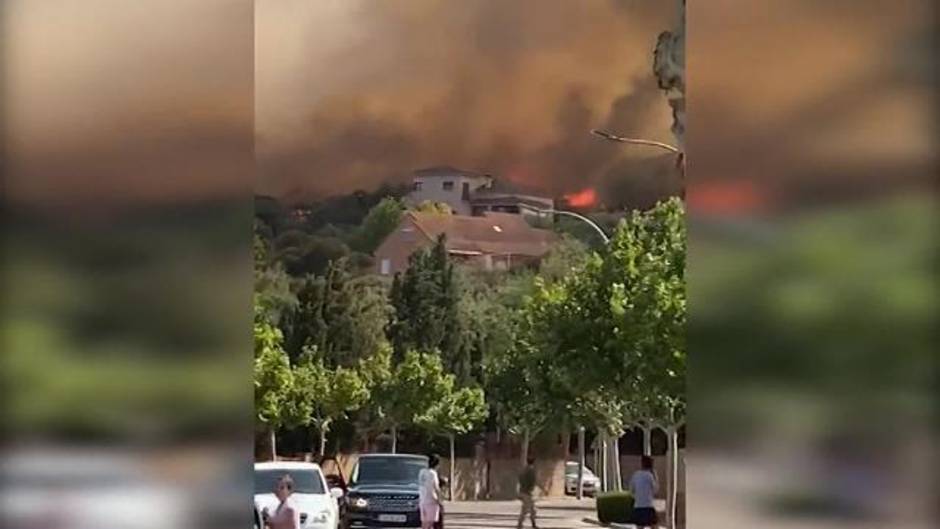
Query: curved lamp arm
point(637, 141)
point(572, 214)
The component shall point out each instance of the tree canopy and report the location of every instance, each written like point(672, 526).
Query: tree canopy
point(381, 220)
point(593, 337)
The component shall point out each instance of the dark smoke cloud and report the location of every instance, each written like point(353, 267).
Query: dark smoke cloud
point(353, 94)
point(114, 102)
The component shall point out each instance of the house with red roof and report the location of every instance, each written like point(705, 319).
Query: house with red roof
point(492, 241)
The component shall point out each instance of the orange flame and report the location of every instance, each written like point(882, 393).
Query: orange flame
point(730, 197)
point(582, 199)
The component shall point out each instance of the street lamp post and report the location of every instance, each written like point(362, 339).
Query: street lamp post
point(636, 141)
point(680, 155)
point(571, 214)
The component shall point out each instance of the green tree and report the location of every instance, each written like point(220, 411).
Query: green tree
point(428, 312)
point(648, 313)
point(301, 253)
point(276, 402)
point(329, 394)
point(519, 382)
point(564, 258)
point(381, 221)
point(440, 208)
point(610, 336)
point(272, 290)
point(416, 384)
point(458, 412)
point(343, 317)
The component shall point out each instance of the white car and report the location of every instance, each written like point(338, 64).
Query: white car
point(590, 484)
point(86, 490)
point(318, 505)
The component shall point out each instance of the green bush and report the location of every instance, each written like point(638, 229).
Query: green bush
point(614, 507)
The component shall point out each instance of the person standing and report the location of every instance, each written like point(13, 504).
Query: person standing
point(643, 487)
point(286, 516)
point(429, 493)
point(526, 491)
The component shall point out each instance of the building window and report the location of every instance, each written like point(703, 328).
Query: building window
point(386, 267)
point(448, 185)
point(417, 185)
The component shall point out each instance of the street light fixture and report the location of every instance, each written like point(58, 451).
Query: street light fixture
point(680, 156)
point(571, 214)
point(637, 141)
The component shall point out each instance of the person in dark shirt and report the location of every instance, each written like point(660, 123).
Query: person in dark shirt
point(526, 490)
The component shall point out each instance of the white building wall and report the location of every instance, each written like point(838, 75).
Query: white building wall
point(436, 189)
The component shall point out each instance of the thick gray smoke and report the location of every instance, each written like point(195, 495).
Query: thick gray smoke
point(351, 94)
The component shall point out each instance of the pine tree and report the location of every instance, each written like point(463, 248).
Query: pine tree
point(428, 310)
point(342, 317)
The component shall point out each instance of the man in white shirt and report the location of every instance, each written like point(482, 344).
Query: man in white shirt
point(643, 487)
point(429, 493)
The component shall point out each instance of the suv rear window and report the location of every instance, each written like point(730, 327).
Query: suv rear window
point(388, 470)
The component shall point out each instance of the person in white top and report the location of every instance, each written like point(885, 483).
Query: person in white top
point(429, 493)
point(286, 516)
point(643, 487)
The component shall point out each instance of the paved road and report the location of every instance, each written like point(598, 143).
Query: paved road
point(553, 514)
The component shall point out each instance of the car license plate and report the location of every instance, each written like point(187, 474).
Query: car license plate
point(393, 518)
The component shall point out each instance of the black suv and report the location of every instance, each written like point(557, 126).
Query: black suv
point(383, 492)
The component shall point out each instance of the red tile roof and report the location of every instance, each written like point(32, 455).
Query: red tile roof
point(495, 233)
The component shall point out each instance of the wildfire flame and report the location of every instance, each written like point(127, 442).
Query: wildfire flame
point(733, 197)
point(582, 199)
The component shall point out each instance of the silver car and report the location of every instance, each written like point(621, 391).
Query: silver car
point(590, 483)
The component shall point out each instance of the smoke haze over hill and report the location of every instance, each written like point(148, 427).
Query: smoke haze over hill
point(351, 94)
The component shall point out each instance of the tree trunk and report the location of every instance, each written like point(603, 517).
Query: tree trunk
point(322, 442)
point(394, 432)
point(273, 444)
point(566, 444)
point(647, 440)
point(453, 468)
point(596, 452)
point(672, 475)
point(602, 464)
point(614, 462)
point(363, 438)
point(580, 487)
point(525, 447)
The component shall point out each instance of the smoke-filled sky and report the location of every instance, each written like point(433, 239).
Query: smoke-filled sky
point(119, 101)
point(113, 101)
point(353, 93)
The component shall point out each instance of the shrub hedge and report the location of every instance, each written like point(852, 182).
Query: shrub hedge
point(614, 507)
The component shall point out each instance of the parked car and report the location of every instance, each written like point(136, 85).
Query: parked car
point(86, 490)
point(590, 483)
point(258, 523)
point(383, 492)
point(318, 504)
